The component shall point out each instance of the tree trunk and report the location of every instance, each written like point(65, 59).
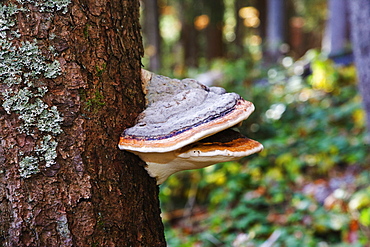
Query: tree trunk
point(275, 28)
point(214, 38)
point(151, 30)
point(335, 37)
point(360, 15)
point(240, 30)
point(261, 6)
point(189, 35)
point(70, 84)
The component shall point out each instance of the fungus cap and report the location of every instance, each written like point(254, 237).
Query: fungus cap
point(224, 146)
point(186, 126)
point(182, 112)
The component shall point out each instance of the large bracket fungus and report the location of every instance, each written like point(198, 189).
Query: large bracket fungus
point(186, 125)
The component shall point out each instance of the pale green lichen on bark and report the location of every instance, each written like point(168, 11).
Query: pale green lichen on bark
point(24, 64)
point(62, 226)
point(47, 150)
point(48, 5)
point(28, 166)
point(21, 68)
point(6, 20)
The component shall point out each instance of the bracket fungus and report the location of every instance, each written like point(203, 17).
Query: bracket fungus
point(186, 125)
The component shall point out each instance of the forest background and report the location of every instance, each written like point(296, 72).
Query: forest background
point(293, 59)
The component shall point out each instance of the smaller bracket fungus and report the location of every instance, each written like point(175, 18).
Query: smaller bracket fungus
point(186, 126)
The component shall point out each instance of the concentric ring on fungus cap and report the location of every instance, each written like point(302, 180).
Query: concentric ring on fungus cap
point(198, 130)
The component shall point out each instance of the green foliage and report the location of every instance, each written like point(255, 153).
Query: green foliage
point(314, 13)
point(312, 130)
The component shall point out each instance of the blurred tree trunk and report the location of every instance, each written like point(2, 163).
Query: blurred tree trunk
point(214, 31)
point(69, 85)
point(275, 28)
point(261, 6)
point(335, 37)
point(360, 16)
point(239, 30)
point(189, 35)
point(151, 31)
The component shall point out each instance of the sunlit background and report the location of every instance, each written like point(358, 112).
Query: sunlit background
point(310, 185)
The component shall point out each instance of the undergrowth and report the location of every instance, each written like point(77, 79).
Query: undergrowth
point(308, 187)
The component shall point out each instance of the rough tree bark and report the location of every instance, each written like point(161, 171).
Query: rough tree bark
point(69, 85)
point(360, 32)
